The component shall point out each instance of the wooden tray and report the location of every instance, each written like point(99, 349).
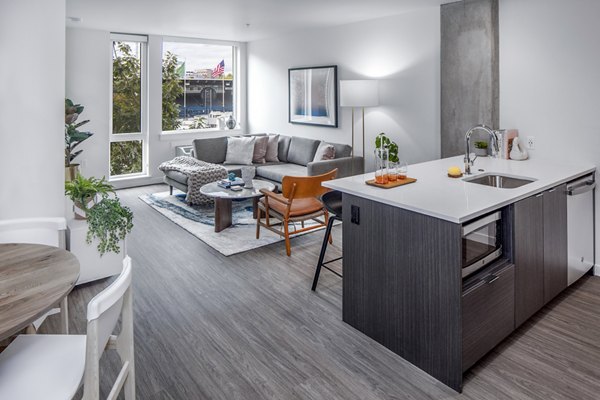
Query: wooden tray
point(389, 185)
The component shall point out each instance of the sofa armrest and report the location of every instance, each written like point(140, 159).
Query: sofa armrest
point(347, 166)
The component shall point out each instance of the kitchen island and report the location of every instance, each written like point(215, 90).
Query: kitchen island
point(404, 255)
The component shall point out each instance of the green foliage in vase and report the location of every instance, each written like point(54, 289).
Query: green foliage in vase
point(481, 145)
point(382, 142)
point(199, 123)
point(109, 222)
point(73, 136)
point(81, 190)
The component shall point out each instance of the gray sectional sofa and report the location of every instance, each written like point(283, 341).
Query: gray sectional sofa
point(295, 158)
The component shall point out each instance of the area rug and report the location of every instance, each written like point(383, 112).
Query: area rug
point(199, 221)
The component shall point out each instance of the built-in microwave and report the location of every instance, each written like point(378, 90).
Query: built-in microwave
point(481, 242)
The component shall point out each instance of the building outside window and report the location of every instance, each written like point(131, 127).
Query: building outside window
point(129, 132)
point(199, 88)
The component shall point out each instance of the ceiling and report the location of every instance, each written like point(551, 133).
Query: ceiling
point(239, 20)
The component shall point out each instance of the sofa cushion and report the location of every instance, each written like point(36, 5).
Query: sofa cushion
point(302, 150)
point(283, 147)
point(341, 150)
point(239, 150)
point(177, 176)
point(211, 150)
point(277, 172)
point(260, 149)
point(272, 148)
point(325, 151)
point(302, 206)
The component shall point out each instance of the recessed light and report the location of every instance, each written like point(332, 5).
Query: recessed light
point(74, 19)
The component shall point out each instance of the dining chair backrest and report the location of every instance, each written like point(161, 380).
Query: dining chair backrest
point(305, 186)
point(49, 231)
point(103, 313)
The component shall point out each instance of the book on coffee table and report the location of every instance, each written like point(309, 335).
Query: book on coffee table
point(227, 183)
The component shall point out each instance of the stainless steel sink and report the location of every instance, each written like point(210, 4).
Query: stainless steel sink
point(499, 180)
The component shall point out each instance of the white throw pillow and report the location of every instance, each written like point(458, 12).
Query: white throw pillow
point(272, 149)
point(239, 150)
point(325, 151)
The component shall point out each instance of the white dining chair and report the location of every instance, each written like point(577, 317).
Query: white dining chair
point(49, 231)
point(52, 367)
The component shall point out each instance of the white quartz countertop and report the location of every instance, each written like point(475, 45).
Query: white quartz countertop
point(452, 199)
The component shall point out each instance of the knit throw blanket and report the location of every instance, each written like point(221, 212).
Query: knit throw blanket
point(199, 173)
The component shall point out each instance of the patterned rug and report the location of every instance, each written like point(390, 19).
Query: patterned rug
point(199, 221)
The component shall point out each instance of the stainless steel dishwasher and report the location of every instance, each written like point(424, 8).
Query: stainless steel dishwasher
point(581, 212)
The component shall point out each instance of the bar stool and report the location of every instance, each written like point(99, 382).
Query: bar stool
point(333, 203)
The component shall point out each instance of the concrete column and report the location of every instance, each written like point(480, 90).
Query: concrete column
point(469, 70)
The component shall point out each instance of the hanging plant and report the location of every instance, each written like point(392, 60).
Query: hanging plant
point(109, 222)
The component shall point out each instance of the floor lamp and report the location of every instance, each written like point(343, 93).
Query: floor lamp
point(359, 94)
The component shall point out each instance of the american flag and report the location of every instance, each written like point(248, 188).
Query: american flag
point(219, 69)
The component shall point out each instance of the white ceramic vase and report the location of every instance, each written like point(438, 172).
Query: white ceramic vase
point(248, 174)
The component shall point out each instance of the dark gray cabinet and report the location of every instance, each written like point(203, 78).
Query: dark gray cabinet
point(540, 251)
point(488, 312)
point(555, 242)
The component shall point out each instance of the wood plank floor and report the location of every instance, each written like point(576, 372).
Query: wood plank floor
point(249, 327)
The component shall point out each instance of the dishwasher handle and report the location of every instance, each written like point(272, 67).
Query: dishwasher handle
point(581, 186)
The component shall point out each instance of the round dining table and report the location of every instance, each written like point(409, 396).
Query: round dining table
point(34, 278)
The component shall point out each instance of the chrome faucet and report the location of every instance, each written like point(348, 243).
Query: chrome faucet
point(495, 149)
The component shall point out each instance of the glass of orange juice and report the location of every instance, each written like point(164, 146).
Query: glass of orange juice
point(402, 170)
point(393, 172)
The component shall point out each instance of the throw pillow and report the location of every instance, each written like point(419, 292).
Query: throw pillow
point(325, 151)
point(239, 150)
point(272, 149)
point(260, 149)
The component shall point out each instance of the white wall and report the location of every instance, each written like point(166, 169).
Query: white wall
point(88, 74)
point(32, 78)
point(550, 77)
point(403, 52)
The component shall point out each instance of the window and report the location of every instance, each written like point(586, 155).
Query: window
point(199, 88)
point(128, 137)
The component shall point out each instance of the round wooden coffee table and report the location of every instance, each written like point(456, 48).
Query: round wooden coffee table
point(224, 197)
point(33, 279)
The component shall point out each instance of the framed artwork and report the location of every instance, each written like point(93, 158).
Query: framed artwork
point(313, 96)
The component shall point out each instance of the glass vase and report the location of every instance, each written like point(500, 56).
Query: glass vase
point(382, 156)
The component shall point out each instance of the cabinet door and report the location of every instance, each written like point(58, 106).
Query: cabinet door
point(528, 257)
point(488, 313)
point(555, 242)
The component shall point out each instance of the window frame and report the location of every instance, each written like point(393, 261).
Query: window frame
point(237, 87)
point(143, 135)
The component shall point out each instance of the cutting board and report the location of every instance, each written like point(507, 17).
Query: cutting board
point(389, 185)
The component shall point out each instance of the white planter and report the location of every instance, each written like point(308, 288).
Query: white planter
point(92, 266)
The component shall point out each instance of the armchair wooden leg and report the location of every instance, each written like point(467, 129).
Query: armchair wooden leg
point(258, 217)
point(288, 248)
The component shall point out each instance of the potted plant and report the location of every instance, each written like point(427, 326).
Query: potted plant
point(109, 222)
point(382, 142)
point(84, 191)
point(73, 137)
point(481, 148)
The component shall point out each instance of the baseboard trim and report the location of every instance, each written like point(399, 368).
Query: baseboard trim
point(596, 270)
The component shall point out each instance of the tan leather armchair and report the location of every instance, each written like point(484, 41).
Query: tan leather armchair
point(297, 202)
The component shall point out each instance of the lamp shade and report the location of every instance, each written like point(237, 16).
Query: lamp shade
point(359, 93)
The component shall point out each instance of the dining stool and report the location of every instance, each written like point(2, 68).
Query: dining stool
point(333, 203)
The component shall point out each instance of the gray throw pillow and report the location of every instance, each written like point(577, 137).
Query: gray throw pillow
point(260, 149)
point(325, 151)
point(272, 149)
point(239, 150)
